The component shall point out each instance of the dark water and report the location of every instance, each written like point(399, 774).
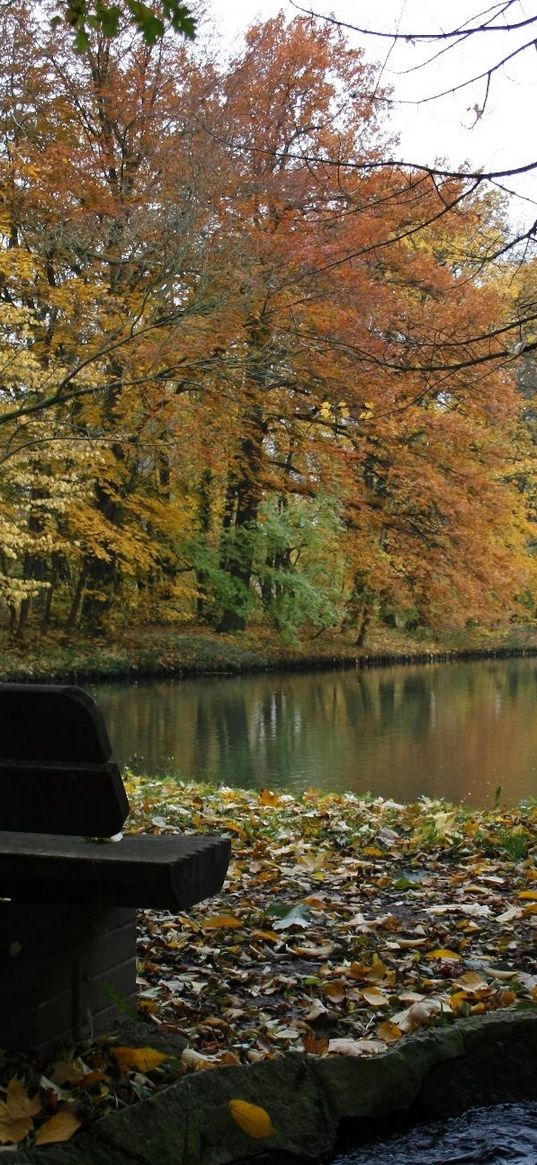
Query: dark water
point(504, 1133)
point(455, 730)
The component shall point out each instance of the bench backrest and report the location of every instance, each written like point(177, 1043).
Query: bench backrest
point(56, 769)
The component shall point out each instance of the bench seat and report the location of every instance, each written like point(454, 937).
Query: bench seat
point(169, 872)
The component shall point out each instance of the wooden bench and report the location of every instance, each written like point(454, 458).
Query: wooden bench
point(67, 900)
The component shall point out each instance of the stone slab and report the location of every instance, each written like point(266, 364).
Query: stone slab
point(482, 1060)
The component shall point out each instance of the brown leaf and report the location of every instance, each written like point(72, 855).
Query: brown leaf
point(315, 1045)
point(389, 1032)
point(335, 991)
point(221, 921)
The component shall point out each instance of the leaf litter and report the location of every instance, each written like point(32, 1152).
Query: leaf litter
point(345, 924)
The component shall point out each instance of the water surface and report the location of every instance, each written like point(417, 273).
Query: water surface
point(504, 1134)
point(454, 730)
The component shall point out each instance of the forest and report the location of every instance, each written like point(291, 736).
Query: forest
point(249, 373)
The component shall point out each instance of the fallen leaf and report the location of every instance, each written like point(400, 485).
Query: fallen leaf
point(375, 998)
point(140, 1059)
point(60, 1127)
point(442, 953)
point(418, 1015)
point(17, 1113)
point(69, 1071)
point(315, 1045)
point(253, 1120)
point(389, 1032)
point(235, 828)
point(297, 916)
point(471, 982)
point(349, 1047)
point(224, 921)
point(267, 797)
point(313, 952)
point(335, 991)
point(509, 914)
point(192, 1059)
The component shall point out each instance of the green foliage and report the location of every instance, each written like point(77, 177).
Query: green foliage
point(294, 540)
point(83, 17)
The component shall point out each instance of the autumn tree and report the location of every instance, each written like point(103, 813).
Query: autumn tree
point(290, 371)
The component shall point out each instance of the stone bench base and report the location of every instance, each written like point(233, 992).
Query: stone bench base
point(66, 973)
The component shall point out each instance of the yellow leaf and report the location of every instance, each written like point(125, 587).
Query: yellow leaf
point(13, 1131)
point(389, 1031)
point(140, 1059)
point(19, 1104)
point(442, 953)
point(238, 829)
point(253, 1120)
point(372, 972)
point(531, 894)
point(16, 1113)
point(269, 936)
point(217, 921)
point(267, 797)
point(60, 1127)
point(457, 999)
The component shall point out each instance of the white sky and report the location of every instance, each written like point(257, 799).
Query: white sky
point(506, 134)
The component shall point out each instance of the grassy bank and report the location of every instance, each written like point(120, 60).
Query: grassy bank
point(161, 651)
point(345, 924)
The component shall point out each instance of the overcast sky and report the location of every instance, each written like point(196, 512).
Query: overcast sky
point(504, 136)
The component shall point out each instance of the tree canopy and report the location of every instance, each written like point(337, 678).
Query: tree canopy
point(241, 380)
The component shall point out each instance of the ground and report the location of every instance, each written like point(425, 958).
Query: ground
point(345, 925)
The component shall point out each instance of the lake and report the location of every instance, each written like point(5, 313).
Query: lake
point(455, 730)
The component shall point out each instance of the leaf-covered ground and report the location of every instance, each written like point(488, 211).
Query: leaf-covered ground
point(344, 925)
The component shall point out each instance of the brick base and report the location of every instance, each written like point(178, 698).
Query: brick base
point(65, 973)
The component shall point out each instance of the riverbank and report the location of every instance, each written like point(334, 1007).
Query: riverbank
point(193, 651)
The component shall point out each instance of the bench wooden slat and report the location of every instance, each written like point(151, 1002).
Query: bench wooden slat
point(55, 722)
point(83, 799)
point(56, 771)
point(172, 872)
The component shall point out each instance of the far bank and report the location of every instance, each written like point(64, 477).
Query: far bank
point(182, 651)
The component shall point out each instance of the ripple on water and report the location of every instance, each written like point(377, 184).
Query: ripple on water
point(481, 1136)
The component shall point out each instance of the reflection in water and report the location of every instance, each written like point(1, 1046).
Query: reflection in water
point(456, 730)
